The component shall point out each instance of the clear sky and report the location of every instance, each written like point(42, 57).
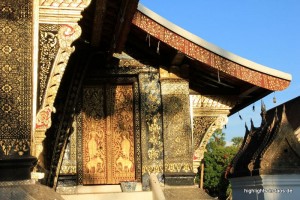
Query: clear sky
point(264, 31)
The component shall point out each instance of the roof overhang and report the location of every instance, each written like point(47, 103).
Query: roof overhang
point(211, 68)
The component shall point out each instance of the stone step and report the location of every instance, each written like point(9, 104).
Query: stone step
point(144, 195)
point(83, 189)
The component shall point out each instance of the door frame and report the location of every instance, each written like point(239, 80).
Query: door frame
point(136, 122)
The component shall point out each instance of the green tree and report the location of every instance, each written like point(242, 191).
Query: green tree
point(217, 158)
point(237, 141)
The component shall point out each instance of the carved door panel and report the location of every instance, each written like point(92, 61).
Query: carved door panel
point(108, 134)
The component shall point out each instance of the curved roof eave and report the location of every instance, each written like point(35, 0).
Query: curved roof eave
point(213, 48)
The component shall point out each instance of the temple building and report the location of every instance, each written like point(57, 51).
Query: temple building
point(267, 165)
point(96, 92)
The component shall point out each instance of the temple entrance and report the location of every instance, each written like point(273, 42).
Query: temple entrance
point(108, 134)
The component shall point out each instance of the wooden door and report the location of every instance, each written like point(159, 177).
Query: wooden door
point(108, 134)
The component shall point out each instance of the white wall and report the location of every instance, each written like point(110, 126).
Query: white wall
point(266, 187)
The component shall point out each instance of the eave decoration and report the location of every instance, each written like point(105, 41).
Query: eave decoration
point(205, 56)
point(66, 14)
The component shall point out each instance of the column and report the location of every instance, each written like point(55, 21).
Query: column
point(178, 150)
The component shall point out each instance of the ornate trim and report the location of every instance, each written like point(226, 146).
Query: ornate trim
point(65, 3)
point(217, 124)
point(205, 56)
point(48, 48)
point(14, 147)
point(216, 102)
point(61, 12)
point(66, 36)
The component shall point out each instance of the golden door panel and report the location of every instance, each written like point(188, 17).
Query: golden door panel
point(108, 134)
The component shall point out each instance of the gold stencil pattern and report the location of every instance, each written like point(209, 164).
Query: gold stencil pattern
point(108, 134)
point(15, 72)
point(177, 128)
point(48, 47)
point(151, 124)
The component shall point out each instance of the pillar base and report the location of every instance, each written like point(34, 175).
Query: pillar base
point(179, 179)
point(16, 168)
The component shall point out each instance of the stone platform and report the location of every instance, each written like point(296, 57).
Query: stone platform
point(186, 193)
point(27, 190)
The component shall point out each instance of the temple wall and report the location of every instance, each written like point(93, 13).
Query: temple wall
point(16, 77)
point(147, 123)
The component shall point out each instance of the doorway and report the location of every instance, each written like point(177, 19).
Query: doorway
point(108, 134)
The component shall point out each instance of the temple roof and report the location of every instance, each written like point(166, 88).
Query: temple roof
point(113, 26)
point(272, 148)
point(210, 47)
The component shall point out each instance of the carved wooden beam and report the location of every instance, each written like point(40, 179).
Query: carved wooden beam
point(126, 16)
point(178, 58)
point(100, 11)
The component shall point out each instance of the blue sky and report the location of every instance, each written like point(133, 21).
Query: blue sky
point(266, 32)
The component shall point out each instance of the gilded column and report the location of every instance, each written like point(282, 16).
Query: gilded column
point(178, 148)
point(151, 126)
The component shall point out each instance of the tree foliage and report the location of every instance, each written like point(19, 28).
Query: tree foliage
point(217, 159)
point(237, 141)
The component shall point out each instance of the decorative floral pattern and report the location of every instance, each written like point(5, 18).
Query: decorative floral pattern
point(203, 55)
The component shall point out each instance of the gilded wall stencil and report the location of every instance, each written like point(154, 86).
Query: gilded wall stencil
point(16, 76)
point(108, 134)
point(151, 123)
point(203, 55)
point(48, 48)
point(10, 147)
point(177, 127)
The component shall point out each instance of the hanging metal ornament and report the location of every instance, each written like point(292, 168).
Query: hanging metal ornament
point(274, 98)
point(240, 116)
point(157, 49)
point(148, 38)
